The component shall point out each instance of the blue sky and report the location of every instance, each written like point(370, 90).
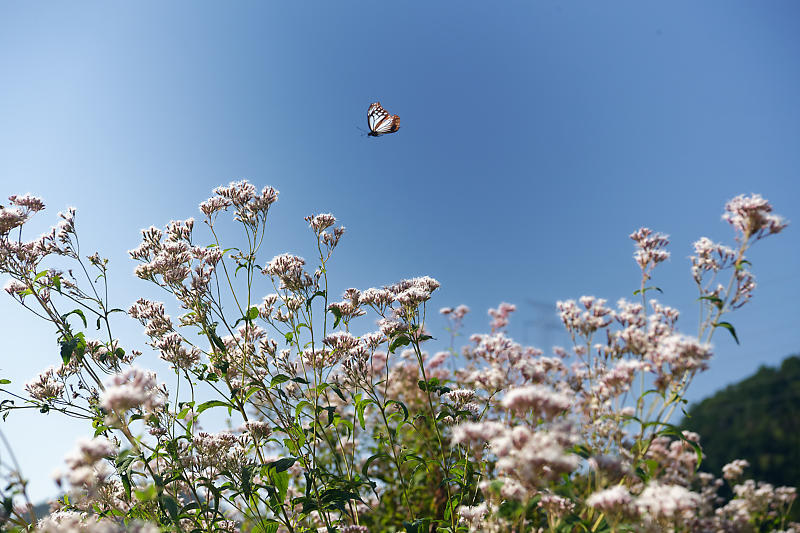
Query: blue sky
point(535, 137)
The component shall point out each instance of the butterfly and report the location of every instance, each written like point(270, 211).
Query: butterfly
point(380, 121)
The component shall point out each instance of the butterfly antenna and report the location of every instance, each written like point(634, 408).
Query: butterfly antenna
point(362, 130)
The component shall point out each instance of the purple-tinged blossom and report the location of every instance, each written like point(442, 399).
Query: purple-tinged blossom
point(288, 269)
point(541, 400)
point(555, 505)
point(214, 205)
point(500, 315)
point(710, 257)
point(612, 501)
point(733, 470)
point(378, 298)
point(46, 386)
point(650, 249)
point(321, 222)
point(31, 203)
point(132, 388)
point(670, 503)
point(752, 217)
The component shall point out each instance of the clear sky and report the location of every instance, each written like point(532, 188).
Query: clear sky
point(535, 137)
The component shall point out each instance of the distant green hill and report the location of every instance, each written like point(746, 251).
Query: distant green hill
point(757, 419)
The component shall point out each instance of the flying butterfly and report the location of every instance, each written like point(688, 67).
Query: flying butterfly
point(380, 121)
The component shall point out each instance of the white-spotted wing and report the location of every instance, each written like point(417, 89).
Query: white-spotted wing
point(380, 121)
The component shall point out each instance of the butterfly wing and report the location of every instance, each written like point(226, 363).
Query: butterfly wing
point(380, 121)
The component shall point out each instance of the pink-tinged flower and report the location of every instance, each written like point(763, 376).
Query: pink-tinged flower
point(650, 249)
point(734, 469)
point(752, 217)
point(15, 287)
point(473, 516)
point(219, 450)
point(28, 202)
point(354, 529)
point(346, 309)
point(534, 457)
point(46, 386)
point(214, 205)
point(459, 397)
point(390, 327)
point(341, 341)
point(540, 400)
point(258, 429)
point(614, 500)
point(250, 205)
point(477, 432)
point(670, 503)
point(10, 218)
point(321, 222)
point(555, 505)
point(594, 316)
point(500, 315)
point(676, 354)
point(132, 388)
point(378, 298)
point(710, 257)
point(173, 351)
point(437, 360)
point(153, 316)
point(288, 269)
point(618, 379)
point(535, 369)
point(85, 463)
point(412, 297)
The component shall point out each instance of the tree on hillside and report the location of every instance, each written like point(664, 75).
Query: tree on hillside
point(757, 419)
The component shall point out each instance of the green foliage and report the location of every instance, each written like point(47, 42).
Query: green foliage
point(757, 419)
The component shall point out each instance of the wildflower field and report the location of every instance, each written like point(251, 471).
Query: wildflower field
point(401, 428)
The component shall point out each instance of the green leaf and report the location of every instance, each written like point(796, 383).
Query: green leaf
point(75, 312)
point(401, 405)
point(729, 327)
point(640, 291)
point(251, 315)
point(282, 464)
point(370, 460)
point(420, 525)
point(169, 503)
point(716, 300)
point(360, 406)
point(5, 381)
point(401, 340)
point(277, 380)
point(337, 314)
point(215, 403)
point(146, 494)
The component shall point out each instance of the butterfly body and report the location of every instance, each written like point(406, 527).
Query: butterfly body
point(380, 121)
